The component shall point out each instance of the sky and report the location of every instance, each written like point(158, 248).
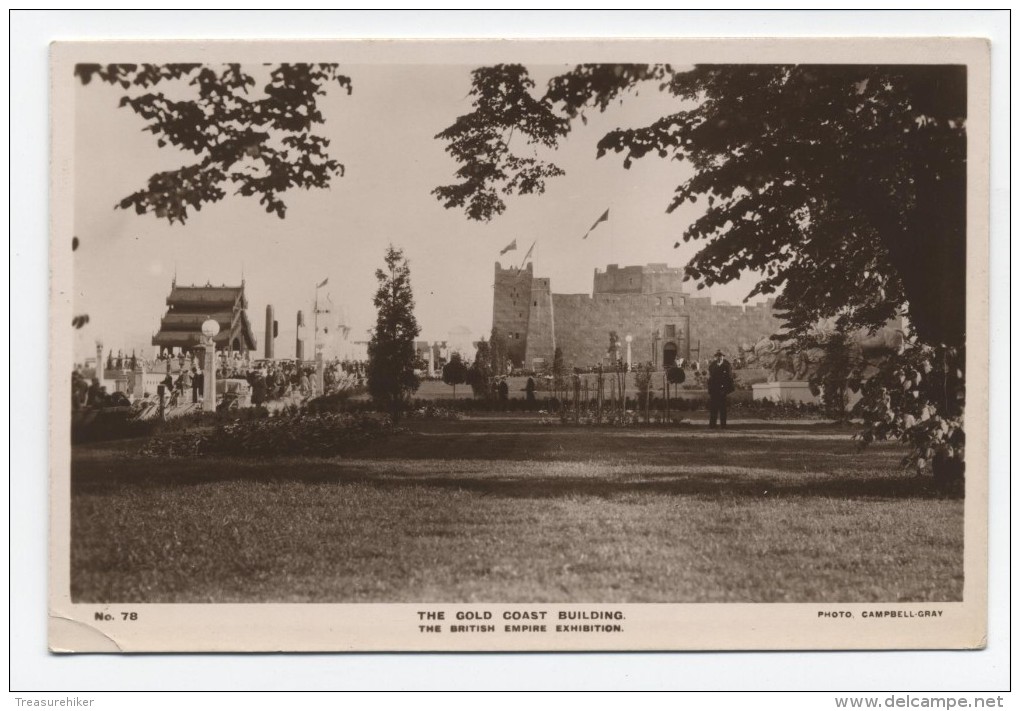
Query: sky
point(384, 134)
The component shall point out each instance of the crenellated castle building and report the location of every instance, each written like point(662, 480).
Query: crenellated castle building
point(647, 303)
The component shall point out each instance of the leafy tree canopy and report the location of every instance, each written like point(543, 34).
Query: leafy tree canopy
point(844, 186)
point(257, 146)
point(455, 372)
point(479, 375)
point(499, 352)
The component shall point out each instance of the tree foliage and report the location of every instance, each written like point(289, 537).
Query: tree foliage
point(831, 378)
point(256, 146)
point(843, 186)
point(614, 348)
point(479, 375)
point(391, 353)
point(675, 375)
point(917, 397)
point(78, 321)
point(499, 352)
point(455, 372)
point(480, 142)
point(643, 373)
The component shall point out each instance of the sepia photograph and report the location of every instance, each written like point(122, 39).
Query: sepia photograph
point(485, 346)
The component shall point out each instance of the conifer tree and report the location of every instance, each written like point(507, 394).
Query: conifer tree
point(479, 375)
point(391, 355)
point(499, 352)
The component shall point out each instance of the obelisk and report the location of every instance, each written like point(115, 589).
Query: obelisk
point(270, 334)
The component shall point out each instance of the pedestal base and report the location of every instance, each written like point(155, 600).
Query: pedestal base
point(784, 391)
point(209, 379)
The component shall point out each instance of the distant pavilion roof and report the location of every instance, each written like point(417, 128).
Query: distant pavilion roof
point(188, 307)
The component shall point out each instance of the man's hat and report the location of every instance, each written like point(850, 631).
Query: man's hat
point(718, 353)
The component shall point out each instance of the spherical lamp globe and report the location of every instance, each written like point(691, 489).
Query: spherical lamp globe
point(210, 328)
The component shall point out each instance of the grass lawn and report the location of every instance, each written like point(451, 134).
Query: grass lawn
point(511, 510)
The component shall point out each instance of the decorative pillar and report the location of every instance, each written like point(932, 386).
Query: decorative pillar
point(99, 362)
point(320, 370)
point(209, 330)
point(270, 332)
point(209, 378)
point(139, 375)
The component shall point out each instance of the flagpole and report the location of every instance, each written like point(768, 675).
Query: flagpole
point(612, 244)
point(529, 253)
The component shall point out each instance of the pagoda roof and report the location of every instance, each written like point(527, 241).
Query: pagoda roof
point(207, 295)
point(175, 321)
point(191, 306)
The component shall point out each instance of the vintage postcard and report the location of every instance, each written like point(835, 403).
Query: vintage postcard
point(519, 345)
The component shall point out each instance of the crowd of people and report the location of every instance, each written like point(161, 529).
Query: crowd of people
point(276, 381)
point(184, 380)
point(92, 394)
point(271, 381)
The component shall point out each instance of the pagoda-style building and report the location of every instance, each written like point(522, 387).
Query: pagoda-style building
point(188, 307)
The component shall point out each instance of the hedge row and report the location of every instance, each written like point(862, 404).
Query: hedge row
point(322, 434)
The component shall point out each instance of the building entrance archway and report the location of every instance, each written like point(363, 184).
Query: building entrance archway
point(669, 351)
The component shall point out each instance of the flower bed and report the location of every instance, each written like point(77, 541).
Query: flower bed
point(322, 434)
point(430, 411)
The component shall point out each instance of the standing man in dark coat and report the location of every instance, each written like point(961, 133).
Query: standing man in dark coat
point(720, 384)
point(197, 384)
point(258, 390)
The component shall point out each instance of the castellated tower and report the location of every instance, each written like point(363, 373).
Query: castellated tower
point(645, 302)
point(511, 308)
point(541, 343)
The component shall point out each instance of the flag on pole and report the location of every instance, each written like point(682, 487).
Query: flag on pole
point(509, 248)
point(324, 282)
point(604, 218)
point(526, 256)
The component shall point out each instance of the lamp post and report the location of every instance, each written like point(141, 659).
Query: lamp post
point(209, 330)
point(320, 370)
point(629, 339)
point(99, 362)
